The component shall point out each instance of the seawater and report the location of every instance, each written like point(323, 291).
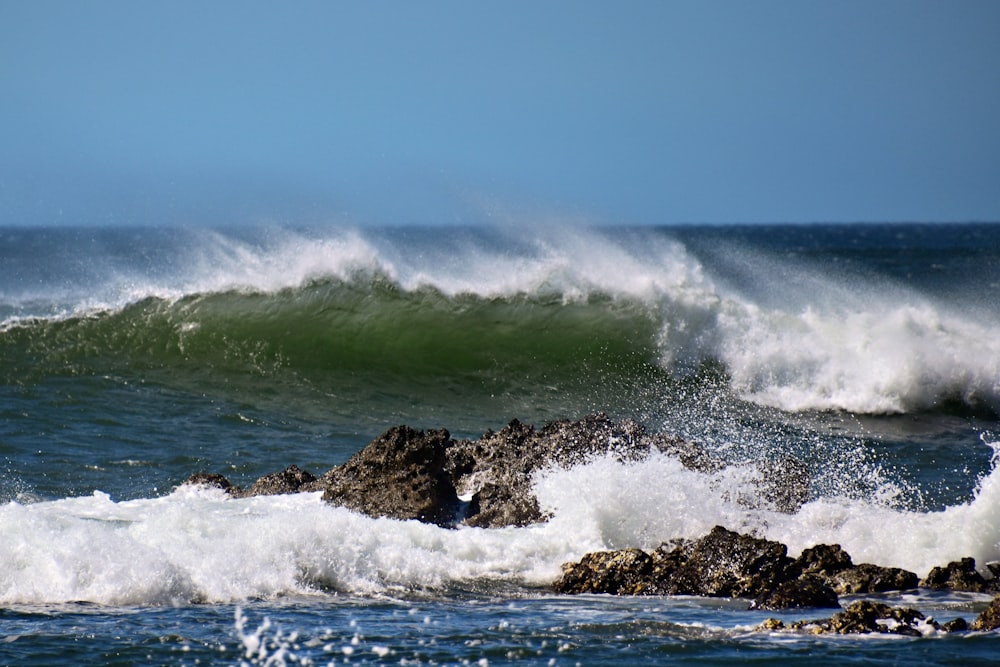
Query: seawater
point(131, 358)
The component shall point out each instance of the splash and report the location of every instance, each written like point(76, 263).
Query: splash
point(179, 548)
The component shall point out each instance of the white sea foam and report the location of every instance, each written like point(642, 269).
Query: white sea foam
point(789, 336)
point(198, 544)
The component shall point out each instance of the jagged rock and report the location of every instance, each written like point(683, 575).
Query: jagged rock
point(498, 505)
point(400, 475)
point(990, 618)
point(865, 617)
point(721, 564)
point(835, 566)
point(496, 471)
point(390, 477)
point(616, 572)
point(868, 578)
point(211, 479)
point(960, 575)
point(727, 564)
point(290, 480)
point(806, 591)
point(825, 560)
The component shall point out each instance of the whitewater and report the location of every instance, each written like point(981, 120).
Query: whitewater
point(133, 358)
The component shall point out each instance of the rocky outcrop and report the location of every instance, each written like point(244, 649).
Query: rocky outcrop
point(401, 475)
point(430, 477)
point(496, 471)
point(960, 575)
point(409, 474)
point(213, 480)
point(727, 564)
point(990, 618)
point(721, 564)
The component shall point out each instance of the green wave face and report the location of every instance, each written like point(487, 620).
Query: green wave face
point(350, 342)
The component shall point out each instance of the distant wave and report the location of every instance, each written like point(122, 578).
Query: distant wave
point(542, 306)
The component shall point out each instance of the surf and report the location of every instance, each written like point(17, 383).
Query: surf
point(553, 305)
point(178, 548)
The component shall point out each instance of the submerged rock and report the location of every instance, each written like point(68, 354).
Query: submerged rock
point(862, 617)
point(211, 479)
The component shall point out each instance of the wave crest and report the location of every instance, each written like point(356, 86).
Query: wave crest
point(565, 302)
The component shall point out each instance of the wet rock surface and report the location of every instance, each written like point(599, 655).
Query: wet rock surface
point(990, 618)
point(290, 480)
point(410, 474)
point(863, 617)
point(721, 564)
point(400, 475)
point(960, 575)
point(727, 564)
point(867, 617)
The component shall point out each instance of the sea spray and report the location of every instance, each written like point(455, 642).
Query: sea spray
point(179, 548)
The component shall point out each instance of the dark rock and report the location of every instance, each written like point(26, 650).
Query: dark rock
point(990, 618)
point(616, 572)
point(806, 591)
point(956, 625)
point(400, 475)
point(868, 578)
point(721, 564)
point(496, 471)
point(863, 616)
point(727, 564)
point(823, 559)
point(211, 479)
point(406, 474)
point(960, 575)
point(290, 480)
point(497, 505)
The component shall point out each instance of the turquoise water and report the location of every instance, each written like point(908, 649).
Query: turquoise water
point(132, 358)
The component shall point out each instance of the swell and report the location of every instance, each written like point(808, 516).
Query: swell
point(370, 326)
point(796, 318)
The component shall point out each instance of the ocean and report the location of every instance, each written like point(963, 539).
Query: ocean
point(131, 358)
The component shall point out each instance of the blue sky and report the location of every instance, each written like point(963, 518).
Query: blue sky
point(120, 112)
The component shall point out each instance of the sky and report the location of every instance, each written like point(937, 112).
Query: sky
point(631, 112)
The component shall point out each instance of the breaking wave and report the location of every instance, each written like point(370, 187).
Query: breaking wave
point(552, 306)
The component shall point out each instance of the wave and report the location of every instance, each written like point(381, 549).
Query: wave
point(546, 307)
point(179, 548)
